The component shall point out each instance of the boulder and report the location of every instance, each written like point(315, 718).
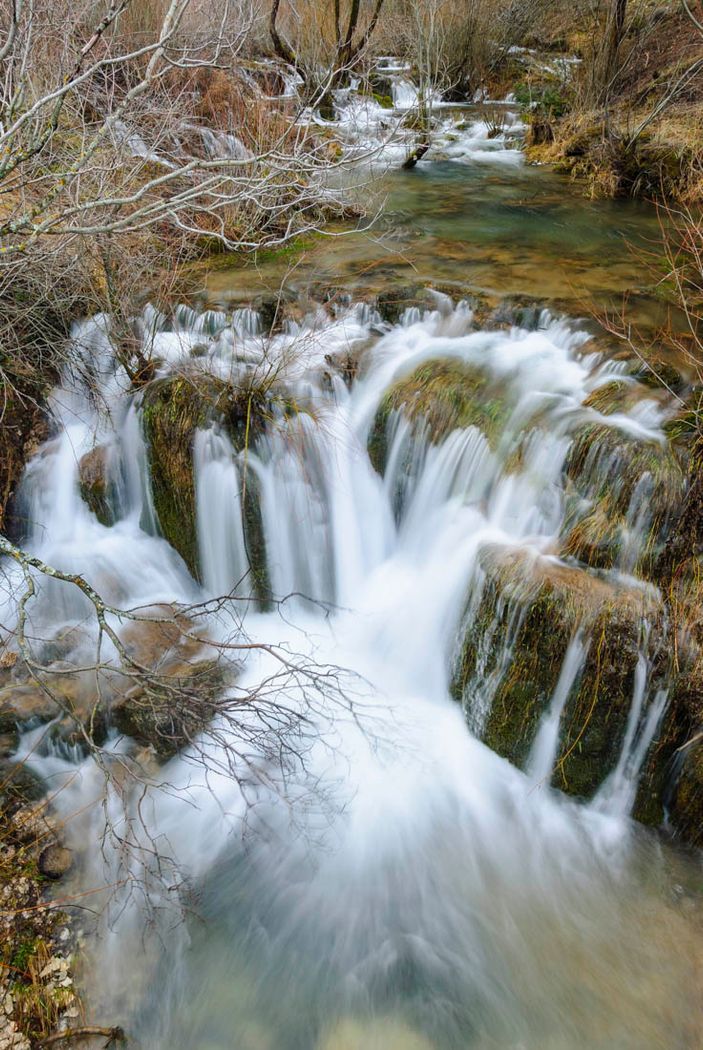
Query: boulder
point(167, 712)
point(530, 609)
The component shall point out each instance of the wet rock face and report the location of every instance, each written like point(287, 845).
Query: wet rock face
point(173, 409)
point(620, 484)
point(96, 487)
point(393, 302)
point(534, 608)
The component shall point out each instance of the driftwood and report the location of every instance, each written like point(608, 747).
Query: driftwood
point(417, 154)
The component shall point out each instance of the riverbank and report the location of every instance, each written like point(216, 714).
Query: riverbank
point(38, 937)
point(645, 139)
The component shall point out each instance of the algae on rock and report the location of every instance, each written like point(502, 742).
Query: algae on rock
point(556, 600)
point(173, 408)
point(443, 395)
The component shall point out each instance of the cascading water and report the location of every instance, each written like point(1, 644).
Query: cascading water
point(402, 886)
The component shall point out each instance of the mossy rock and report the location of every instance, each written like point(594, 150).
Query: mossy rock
point(685, 804)
point(604, 467)
point(549, 601)
point(444, 395)
point(167, 712)
point(173, 409)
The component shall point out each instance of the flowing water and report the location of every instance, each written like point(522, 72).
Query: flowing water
point(398, 885)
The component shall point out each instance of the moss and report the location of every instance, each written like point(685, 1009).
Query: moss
point(384, 101)
point(447, 395)
point(604, 467)
point(555, 601)
point(173, 409)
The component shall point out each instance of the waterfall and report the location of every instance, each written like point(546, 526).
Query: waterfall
point(223, 558)
point(543, 755)
point(396, 867)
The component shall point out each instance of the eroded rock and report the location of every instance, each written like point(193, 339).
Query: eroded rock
point(544, 602)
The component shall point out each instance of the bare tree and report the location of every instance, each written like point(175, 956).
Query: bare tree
point(339, 38)
point(105, 143)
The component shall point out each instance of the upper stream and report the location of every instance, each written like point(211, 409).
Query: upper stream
point(395, 884)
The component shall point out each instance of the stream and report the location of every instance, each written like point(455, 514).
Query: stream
point(397, 885)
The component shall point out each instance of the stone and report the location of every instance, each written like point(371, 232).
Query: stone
point(55, 861)
point(95, 485)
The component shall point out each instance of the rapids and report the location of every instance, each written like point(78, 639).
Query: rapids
point(396, 885)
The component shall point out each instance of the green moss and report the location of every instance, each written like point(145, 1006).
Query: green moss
point(292, 249)
point(447, 395)
point(603, 468)
point(554, 601)
point(385, 101)
point(173, 409)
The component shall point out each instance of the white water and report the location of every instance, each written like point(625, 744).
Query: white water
point(544, 750)
point(400, 870)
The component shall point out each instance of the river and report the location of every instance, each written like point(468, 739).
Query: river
point(398, 885)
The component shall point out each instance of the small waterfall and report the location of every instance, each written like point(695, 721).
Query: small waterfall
point(543, 755)
point(617, 794)
point(223, 558)
point(134, 481)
